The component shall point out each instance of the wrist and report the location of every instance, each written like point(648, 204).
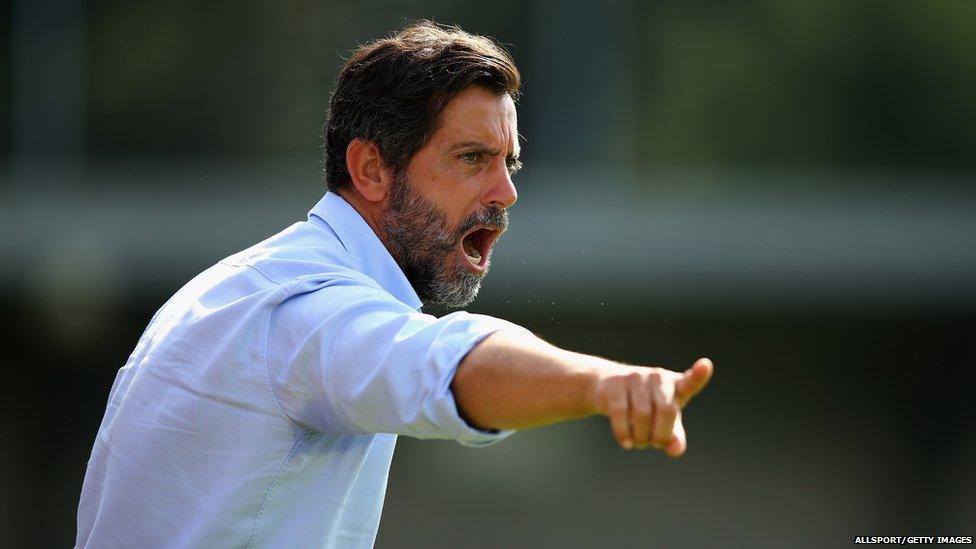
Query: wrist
point(588, 373)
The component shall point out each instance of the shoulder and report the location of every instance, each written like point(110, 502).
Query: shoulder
point(301, 251)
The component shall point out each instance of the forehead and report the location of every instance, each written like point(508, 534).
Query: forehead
point(479, 115)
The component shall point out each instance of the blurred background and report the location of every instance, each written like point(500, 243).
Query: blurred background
point(785, 187)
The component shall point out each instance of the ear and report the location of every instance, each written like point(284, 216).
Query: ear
point(369, 173)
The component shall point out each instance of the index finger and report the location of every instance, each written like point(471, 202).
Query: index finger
point(693, 380)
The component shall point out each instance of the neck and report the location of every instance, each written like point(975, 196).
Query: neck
point(371, 212)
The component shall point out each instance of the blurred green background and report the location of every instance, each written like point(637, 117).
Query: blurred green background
point(785, 187)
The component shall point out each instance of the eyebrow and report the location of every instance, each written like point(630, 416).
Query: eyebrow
point(481, 148)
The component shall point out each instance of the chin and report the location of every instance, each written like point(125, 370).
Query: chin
point(455, 294)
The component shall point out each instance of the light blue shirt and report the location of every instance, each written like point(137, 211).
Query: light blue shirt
point(261, 405)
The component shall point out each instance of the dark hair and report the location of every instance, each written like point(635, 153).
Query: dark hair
point(392, 91)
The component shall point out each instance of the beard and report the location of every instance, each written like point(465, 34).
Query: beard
point(425, 246)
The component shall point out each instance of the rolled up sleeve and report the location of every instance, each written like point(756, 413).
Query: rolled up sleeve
point(349, 358)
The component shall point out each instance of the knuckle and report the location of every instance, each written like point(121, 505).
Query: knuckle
point(617, 413)
point(642, 410)
point(617, 386)
point(617, 406)
point(670, 412)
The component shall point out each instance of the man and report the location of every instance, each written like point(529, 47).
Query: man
point(261, 405)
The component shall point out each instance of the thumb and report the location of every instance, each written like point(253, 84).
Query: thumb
point(693, 380)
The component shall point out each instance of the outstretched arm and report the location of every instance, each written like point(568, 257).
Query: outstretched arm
point(513, 380)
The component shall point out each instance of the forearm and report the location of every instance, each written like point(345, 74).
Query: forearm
point(513, 380)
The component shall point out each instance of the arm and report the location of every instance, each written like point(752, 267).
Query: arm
point(345, 357)
point(514, 380)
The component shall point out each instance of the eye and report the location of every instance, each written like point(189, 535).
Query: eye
point(471, 157)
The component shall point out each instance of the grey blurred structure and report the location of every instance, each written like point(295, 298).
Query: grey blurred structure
point(787, 188)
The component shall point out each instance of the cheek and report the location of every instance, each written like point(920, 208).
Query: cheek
point(455, 192)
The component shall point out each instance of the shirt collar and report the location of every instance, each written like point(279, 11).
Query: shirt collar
point(367, 251)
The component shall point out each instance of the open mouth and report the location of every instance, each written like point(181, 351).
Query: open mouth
point(476, 246)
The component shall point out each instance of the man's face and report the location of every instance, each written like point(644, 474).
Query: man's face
point(449, 207)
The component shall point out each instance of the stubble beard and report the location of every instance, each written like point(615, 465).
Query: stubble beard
point(425, 247)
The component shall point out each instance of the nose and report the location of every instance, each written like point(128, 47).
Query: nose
point(501, 191)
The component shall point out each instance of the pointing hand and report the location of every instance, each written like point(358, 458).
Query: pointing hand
point(644, 404)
